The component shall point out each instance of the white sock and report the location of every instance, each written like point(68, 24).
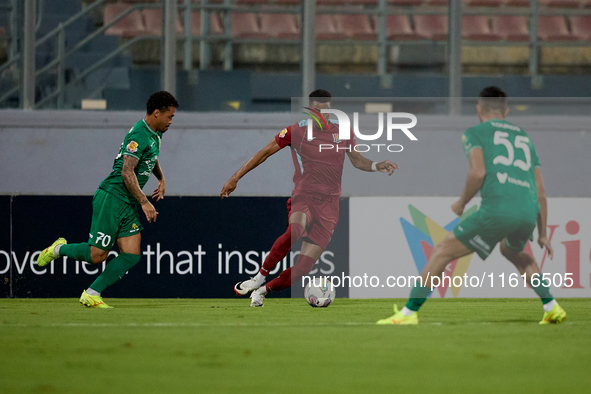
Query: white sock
point(548, 307)
point(56, 250)
point(262, 290)
point(260, 279)
point(406, 312)
point(92, 292)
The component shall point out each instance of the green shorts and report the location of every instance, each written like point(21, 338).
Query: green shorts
point(112, 218)
point(481, 231)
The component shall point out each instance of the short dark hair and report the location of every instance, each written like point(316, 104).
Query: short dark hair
point(493, 99)
point(161, 101)
point(320, 96)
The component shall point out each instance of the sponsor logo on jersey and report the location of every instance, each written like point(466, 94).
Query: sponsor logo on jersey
point(502, 177)
point(132, 147)
point(283, 132)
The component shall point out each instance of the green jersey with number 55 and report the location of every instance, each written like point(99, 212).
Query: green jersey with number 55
point(142, 143)
point(510, 159)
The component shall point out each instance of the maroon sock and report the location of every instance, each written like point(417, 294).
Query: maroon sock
point(292, 275)
point(281, 247)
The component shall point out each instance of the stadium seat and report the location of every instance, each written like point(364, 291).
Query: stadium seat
point(433, 27)
point(581, 27)
point(356, 27)
point(153, 21)
point(287, 2)
point(330, 2)
point(484, 3)
point(561, 3)
point(398, 28)
point(510, 28)
point(475, 28)
point(130, 26)
point(282, 26)
point(518, 3)
point(253, 1)
point(405, 2)
point(326, 28)
point(245, 25)
point(553, 28)
point(437, 2)
point(215, 27)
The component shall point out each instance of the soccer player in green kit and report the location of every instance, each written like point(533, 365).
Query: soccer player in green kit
point(114, 206)
point(504, 166)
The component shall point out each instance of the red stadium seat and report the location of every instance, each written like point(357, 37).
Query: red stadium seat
point(326, 28)
point(252, 1)
point(475, 28)
point(553, 28)
point(405, 2)
point(518, 3)
point(282, 26)
point(331, 2)
point(153, 21)
point(581, 26)
point(437, 2)
point(510, 28)
point(561, 3)
point(246, 26)
point(215, 26)
point(484, 3)
point(433, 27)
point(398, 28)
point(287, 2)
point(356, 27)
point(130, 26)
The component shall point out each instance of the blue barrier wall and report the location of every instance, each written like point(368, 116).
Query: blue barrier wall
point(192, 251)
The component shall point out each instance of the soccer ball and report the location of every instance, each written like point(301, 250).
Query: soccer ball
point(319, 292)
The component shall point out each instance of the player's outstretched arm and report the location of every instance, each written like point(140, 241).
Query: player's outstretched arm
point(364, 164)
point(158, 194)
point(474, 180)
point(132, 184)
point(543, 214)
point(262, 155)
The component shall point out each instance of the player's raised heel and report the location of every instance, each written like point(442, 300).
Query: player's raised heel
point(246, 286)
point(399, 319)
point(48, 254)
point(555, 316)
point(91, 301)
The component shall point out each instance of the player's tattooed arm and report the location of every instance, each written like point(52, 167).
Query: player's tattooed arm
point(543, 214)
point(365, 164)
point(270, 149)
point(158, 194)
point(132, 184)
point(474, 180)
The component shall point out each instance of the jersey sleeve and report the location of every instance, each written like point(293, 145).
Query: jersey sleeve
point(283, 139)
point(470, 141)
point(135, 143)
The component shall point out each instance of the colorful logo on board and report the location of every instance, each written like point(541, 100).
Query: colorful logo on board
point(423, 234)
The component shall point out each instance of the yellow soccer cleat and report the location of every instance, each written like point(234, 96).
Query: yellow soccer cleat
point(92, 301)
point(399, 318)
point(48, 254)
point(555, 316)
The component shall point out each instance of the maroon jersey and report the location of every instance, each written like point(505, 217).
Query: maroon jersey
point(318, 169)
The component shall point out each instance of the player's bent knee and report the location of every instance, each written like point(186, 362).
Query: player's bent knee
point(97, 255)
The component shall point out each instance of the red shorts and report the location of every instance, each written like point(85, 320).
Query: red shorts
point(322, 213)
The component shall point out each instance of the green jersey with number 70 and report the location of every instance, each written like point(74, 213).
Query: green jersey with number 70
point(510, 159)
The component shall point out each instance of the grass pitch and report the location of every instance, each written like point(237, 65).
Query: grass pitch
point(224, 346)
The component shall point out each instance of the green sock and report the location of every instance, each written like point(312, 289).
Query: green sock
point(543, 291)
point(418, 296)
point(80, 252)
point(115, 271)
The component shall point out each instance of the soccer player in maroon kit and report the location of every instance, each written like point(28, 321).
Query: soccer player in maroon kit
point(314, 203)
